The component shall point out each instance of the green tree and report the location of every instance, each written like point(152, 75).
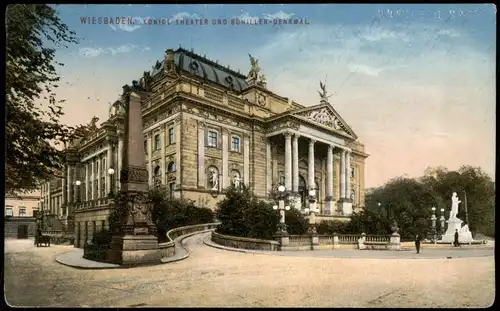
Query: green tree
point(32, 133)
point(470, 181)
point(404, 200)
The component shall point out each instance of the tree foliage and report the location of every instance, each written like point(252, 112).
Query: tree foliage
point(33, 130)
point(409, 201)
point(242, 214)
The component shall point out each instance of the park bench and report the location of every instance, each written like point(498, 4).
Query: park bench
point(376, 245)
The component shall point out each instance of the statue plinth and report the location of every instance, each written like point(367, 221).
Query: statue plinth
point(455, 224)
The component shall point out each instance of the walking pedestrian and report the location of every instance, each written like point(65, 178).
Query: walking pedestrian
point(455, 242)
point(417, 243)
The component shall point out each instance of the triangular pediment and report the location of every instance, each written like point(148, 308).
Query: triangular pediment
point(324, 115)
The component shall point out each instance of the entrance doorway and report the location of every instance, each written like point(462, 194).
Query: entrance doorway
point(302, 191)
point(22, 231)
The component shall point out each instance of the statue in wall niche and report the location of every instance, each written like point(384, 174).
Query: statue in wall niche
point(454, 205)
point(236, 181)
point(214, 179)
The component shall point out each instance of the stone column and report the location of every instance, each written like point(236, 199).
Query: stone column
point(119, 158)
point(311, 165)
point(342, 175)
point(71, 185)
point(109, 160)
point(348, 175)
point(288, 161)
point(269, 173)
point(225, 160)
point(92, 179)
point(246, 160)
point(162, 162)
point(64, 188)
point(295, 162)
point(68, 184)
point(201, 155)
point(178, 150)
point(99, 178)
point(75, 178)
point(87, 183)
point(150, 159)
point(329, 181)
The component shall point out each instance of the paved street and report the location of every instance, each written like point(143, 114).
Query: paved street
point(218, 278)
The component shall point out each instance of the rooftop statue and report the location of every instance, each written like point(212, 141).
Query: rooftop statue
point(254, 71)
point(323, 93)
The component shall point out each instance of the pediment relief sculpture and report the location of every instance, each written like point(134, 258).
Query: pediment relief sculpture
point(325, 116)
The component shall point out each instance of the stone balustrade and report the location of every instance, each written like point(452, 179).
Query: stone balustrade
point(168, 248)
point(244, 243)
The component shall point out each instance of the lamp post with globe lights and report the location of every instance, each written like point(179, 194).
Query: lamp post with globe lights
point(442, 221)
point(311, 210)
point(111, 173)
point(433, 219)
point(78, 184)
point(281, 208)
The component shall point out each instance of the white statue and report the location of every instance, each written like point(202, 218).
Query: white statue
point(454, 205)
point(214, 178)
point(236, 181)
point(111, 111)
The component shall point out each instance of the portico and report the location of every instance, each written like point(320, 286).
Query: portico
point(304, 153)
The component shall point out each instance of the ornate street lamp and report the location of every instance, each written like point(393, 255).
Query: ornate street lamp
point(281, 208)
point(309, 212)
point(433, 219)
point(78, 183)
point(111, 172)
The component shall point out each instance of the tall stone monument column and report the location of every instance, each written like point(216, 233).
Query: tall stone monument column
point(135, 242)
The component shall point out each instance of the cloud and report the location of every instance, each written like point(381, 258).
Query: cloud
point(89, 52)
point(184, 15)
point(245, 15)
point(137, 22)
point(448, 33)
point(364, 69)
point(278, 15)
point(147, 48)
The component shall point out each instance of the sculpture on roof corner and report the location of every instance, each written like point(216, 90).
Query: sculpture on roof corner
point(323, 94)
point(253, 76)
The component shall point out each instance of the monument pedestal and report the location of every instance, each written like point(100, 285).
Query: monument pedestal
point(464, 235)
point(346, 207)
point(134, 249)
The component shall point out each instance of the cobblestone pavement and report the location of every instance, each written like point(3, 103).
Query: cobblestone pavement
point(218, 278)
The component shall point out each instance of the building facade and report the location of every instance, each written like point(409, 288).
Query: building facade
point(19, 215)
point(207, 127)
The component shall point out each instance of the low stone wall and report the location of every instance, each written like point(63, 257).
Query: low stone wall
point(337, 241)
point(95, 252)
point(168, 248)
point(12, 226)
point(245, 243)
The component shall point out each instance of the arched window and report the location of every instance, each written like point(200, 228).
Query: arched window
point(171, 167)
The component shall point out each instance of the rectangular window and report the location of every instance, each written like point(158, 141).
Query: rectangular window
point(22, 211)
point(9, 211)
point(353, 171)
point(212, 139)
point(157, 142)
point(171, 136)
point(235, 144)
point(146, 146)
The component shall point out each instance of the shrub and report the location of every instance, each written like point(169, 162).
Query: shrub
point(102, 237)
point(242, 214)
point(167, 213)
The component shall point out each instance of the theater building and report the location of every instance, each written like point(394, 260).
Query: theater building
point(207, 127)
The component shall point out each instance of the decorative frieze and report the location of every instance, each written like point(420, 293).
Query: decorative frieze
point(326, 117)
point(283, 125)
point(217, 118)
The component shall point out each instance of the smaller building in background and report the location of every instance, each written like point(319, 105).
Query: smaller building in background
point(19, 215)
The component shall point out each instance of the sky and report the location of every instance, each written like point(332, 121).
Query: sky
point(415, 82)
